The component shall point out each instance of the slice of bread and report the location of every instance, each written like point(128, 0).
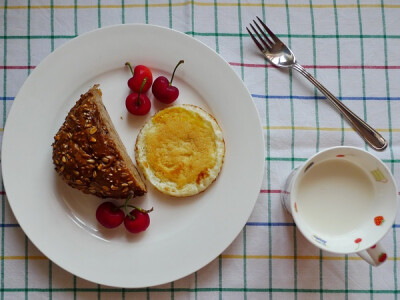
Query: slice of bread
point(89, 154)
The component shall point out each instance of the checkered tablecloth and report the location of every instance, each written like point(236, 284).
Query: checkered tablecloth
point(351, 46)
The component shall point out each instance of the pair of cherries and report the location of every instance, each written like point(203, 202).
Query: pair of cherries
point(138, 103)
point(111, 216)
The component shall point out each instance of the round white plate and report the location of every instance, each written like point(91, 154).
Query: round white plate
point(184, 234)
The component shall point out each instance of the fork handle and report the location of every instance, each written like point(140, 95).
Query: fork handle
point(370, 135)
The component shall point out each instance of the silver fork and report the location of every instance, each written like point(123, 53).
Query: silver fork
point(281, 56)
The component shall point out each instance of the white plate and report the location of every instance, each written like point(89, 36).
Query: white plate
point(185, 234)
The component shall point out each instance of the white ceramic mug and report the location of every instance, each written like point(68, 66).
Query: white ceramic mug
point(343, 200)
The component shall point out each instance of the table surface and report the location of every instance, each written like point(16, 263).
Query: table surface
point(351, 46)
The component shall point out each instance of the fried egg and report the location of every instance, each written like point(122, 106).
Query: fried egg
point(180, 150)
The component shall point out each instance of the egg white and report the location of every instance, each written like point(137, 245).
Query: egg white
point(169, 187)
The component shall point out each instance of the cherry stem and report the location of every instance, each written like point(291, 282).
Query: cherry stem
point(140, 91)
point(126, 205)
point(173, 73)
point(130, 67)
point(141, 209)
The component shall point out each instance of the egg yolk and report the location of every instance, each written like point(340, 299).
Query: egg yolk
point(181, 146)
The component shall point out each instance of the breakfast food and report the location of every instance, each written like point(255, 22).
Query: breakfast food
point(111, 216)
point(180, 150)
point(140, 73)
point(138, 103)
point(89, 154)
point(163, 90)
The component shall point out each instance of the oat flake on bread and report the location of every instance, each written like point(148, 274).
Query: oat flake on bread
point(180, 150)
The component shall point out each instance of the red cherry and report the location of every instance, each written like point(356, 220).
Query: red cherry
point(137, 220)
point(138, 75)
point(163, 90)
point(109, 215)
point(138, 103)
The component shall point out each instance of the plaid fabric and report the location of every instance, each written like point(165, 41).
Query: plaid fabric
point(351, 46)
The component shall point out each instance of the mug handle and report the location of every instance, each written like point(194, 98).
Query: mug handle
point(375, 255)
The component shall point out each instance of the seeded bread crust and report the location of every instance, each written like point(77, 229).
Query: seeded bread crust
point(89, 155)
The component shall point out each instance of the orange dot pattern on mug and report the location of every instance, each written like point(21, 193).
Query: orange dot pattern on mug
point(358, 241)
point(378, 220)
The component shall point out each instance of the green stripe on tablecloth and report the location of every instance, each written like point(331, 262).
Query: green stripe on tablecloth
point(216, 26)
point(219, 277)
point(147, 11)
point(196, 275)
point(338, 60)
point(215, 289)
point(76, 17)
point(292, 146)
point(346, 275)
point(52, 25)
point(362, 69)
point(123, 11)
point(316, 101)
point(28, 26)
point(390, 138)
point(192, 11)
point(99, 13)
point(170, 13)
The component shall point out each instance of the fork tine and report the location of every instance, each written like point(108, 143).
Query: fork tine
point(261, 39)
point(255, 40)
point(273, 36)
point(263, 33)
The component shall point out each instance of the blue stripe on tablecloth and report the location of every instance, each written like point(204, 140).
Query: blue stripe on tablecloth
point(296, 97)
point(322, 97)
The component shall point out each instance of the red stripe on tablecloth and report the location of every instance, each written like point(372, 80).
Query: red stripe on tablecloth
point(319, 67)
